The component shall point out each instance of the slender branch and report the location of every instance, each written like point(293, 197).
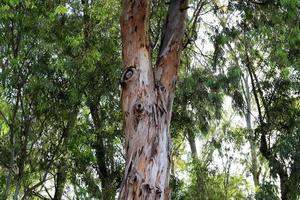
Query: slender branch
point(3, 116)
point(12, 143)
point(265, 2)
point(194, 21)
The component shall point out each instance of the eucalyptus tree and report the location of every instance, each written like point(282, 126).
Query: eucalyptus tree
point(277, 98)
point(147, 98)
point(267, 40)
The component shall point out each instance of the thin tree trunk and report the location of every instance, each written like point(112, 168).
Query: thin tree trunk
point(12, 140)
point(22, 155)
point(108, 190)
point(199, 176)
point(192, 143)
point(253, 148)
point(276, 166)
point(92, 185)
point(61, 178)
point(147, 98)
point(200, 180)
point(284, 187)
point(61, 174)
point(227, 175)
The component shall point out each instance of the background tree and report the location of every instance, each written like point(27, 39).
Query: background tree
point(47, 99)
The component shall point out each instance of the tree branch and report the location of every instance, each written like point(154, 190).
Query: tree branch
point(4, 118)
point(171, 44)
point(265, 2)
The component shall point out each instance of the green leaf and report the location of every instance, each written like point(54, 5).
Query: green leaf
point(60, 10)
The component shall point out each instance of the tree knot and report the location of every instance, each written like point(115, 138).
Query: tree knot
point(139, 107)
point(147, 187)
point(128, 74)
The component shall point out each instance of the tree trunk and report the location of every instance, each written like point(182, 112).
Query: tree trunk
point(108, 189)
point(284, 187)
point(276, 165)
point(61, 178)
point(62, 172)
point(200, 177)
point(253, 148)
point(147, 98)
point(22, 156)
point(92, 185)
point(192, 143)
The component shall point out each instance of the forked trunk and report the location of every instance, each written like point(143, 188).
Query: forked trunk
point(147, 98)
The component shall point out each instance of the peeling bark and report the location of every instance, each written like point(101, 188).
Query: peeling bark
point(147, 98)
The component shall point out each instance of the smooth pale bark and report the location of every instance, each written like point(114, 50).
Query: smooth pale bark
point(147, 98)
point(253, 148)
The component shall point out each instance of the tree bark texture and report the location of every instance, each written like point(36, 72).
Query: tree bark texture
point(147, 98)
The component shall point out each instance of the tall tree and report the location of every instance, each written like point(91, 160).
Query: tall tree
point(147, 98)
point(270, 55)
